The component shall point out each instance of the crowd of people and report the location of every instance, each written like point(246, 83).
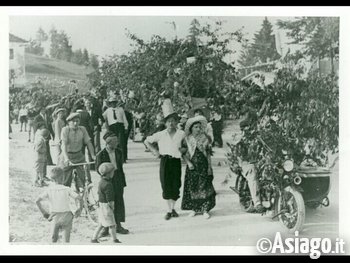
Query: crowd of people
point(74, 124)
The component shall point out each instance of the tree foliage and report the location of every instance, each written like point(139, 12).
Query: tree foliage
point(78, 57)
point(287, 115)
point(34, 47)
point(94, 62)
point(60, 47)
point(318, 35)
point(295, 115)
point(41, 35)
point(180, 68)
point(86, 59)
point(263, 47)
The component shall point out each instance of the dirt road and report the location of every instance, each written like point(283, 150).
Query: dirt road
point(145, 209)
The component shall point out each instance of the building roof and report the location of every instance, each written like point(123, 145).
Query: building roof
point(17, 39)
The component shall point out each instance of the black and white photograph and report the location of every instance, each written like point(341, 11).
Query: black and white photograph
point(175, 130)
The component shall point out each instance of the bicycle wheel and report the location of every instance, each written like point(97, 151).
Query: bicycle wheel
point(91, 204)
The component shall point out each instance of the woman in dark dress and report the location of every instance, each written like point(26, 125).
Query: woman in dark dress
point(199, 193)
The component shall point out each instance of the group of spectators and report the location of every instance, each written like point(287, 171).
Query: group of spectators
point(74, 124)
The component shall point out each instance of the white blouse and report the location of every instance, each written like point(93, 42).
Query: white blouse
point(167, 145)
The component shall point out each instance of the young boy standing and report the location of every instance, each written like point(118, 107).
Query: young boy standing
point(41, 157)
point(106, 202)
point(61, 211)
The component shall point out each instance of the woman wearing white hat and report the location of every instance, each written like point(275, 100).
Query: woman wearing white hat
point(199, 193)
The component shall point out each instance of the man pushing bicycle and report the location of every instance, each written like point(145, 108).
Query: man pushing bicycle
point(74, 137)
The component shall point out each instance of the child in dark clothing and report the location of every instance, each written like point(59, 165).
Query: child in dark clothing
point(41, 157)
point(106, 202)
point(217, 124)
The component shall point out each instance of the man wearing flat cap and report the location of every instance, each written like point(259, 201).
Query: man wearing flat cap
point(112, 153)
point(73, 138)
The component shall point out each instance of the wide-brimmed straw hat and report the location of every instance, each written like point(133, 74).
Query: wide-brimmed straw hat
point(59, 110)
point(201, 119)
point(73, 115)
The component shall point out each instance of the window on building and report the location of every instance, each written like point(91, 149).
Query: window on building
point(11, 53)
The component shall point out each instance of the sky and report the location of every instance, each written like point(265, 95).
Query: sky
point(105, 35)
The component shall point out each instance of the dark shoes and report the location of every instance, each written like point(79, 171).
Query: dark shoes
point(104, 233)
point(47, 178)
point(174, 214)
point(167, 216)
point(170, 215)
point(259, 209)
point(96, 241)
point(43, 183)
point(40, 184)
point(122, 230)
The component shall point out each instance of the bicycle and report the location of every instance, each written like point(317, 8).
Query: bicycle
point(89, 195)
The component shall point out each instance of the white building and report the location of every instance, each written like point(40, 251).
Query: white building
point(17, 74)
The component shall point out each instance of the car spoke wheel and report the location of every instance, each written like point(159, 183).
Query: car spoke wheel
point(245, 198)
point(292, 209)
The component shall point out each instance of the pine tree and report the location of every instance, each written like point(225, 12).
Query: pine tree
point(41, 35)
point(60, 47)
point(94, 61)
point(78, 57)
point(246, 58)
point(34, 47)
point(54, 47)
point(195, 82)
point(319, 35)
point(86, 57)
point(194, 31)
point(263, 48)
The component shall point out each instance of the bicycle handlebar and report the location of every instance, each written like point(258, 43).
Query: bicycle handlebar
point(78, 164)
